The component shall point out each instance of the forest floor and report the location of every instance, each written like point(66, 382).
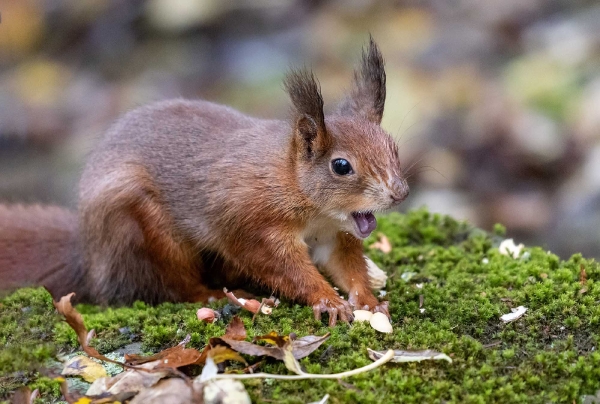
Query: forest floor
point(448, 286)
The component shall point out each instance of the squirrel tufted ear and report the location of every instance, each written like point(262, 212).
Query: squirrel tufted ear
point(309, 119)
point(367, 97)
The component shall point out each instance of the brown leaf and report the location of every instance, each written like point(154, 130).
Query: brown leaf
point(300, 347)
point(222, 353)
point(304, 346)
point(236, 329)
point(383, 244)
point(249, 348)
point(131, 380)
point(75, 320)
point(172, 391)
point(173, 357)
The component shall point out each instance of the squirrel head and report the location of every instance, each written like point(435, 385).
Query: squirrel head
point(346, 164)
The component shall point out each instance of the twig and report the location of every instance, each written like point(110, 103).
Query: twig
point(384, 359)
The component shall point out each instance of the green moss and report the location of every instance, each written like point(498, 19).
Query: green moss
point(549, 355)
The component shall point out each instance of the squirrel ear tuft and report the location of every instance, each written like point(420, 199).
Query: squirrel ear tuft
point(367, 97)
point(309, 118)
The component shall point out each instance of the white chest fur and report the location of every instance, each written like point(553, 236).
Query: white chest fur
point(320, 236)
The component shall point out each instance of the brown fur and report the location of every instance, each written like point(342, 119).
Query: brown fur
point(181, 193)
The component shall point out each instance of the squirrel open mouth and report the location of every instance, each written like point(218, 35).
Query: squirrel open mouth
point(365, 223)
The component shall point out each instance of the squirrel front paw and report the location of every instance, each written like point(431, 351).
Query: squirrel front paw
point(366, 301)
point(336, 307)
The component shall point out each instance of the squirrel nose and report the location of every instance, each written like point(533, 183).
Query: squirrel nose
point(400, 192)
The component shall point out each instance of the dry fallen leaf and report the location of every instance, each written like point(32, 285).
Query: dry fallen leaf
point(236, 329)
point(218, 350)
point(130, 380)
point(410, 356)
point(389, 355)
point(222, 353)
point(382, 244)
point(290, 361)
point(173, 357)
point(273, 338)
point(75, 320)
point(171, 391)
point(300, 347)
point(304, 346)
point(84, 367)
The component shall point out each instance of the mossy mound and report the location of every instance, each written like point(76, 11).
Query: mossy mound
point(548, 355)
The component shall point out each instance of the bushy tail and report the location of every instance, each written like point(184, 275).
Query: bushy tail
point(39, 247)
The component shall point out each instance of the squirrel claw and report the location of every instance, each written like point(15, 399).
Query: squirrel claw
point(367, 301)
point(383, 307)
point(337, 309)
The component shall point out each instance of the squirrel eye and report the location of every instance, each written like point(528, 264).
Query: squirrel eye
point(341, 167)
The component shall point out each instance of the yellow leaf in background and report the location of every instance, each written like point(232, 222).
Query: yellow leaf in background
point(273, 338)
point(221, 354)
point(83, 366)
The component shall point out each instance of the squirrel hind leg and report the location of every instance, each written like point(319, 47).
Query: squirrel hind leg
point(132, 251)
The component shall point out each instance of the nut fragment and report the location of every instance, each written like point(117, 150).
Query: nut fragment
point(381, 323)
point(207, 315)
point(362, 315)
point(251, 305)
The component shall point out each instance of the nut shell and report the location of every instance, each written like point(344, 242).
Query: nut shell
point(251, 305)
point(362, 315)
point(381, 323)
point(207, 315)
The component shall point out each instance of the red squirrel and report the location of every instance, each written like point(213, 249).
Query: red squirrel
point(181, 193)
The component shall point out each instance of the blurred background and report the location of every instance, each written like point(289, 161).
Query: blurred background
point(497, 103)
